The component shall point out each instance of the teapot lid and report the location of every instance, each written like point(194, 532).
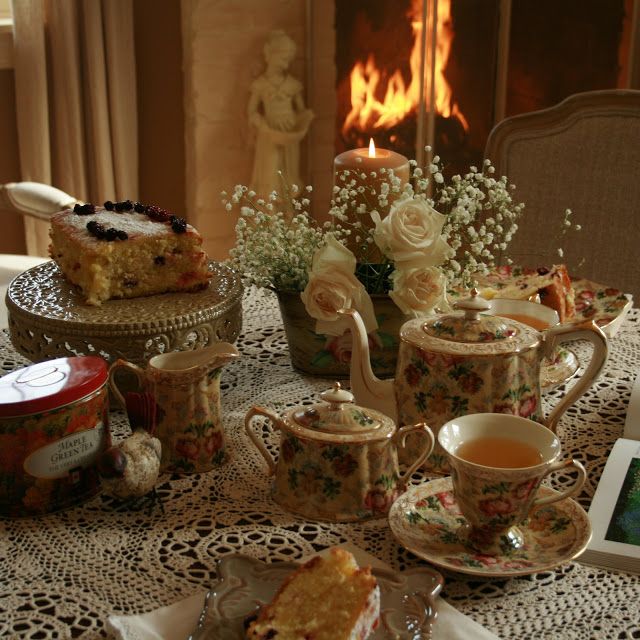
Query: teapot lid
point(472, 330)
point(337, 419)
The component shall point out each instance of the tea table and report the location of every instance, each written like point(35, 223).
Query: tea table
point(63, 574)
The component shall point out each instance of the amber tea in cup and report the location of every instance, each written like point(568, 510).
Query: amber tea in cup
point(532, 321)
point(498, 461)
point(530, 313)
point(505, 453)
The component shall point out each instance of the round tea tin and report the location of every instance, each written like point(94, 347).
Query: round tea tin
point(53, 427)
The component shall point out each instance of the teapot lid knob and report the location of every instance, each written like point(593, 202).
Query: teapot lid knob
point(473, 305)
point(337, 396)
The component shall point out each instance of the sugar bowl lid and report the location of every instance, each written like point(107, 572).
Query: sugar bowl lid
point(338, 419)
point(472, 331)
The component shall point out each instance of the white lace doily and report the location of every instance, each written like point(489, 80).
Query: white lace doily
point(61, 575)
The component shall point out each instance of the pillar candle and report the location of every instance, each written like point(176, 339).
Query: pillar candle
point(367, 160)
point(362, 162)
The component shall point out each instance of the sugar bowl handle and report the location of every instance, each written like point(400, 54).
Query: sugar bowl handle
point(257, 439)
point(400, 437)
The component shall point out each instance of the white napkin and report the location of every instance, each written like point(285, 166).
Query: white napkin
point(177, 621)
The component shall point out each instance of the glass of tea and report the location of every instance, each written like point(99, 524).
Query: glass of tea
point(497, 462)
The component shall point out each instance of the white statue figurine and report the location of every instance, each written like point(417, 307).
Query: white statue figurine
point(277, 111)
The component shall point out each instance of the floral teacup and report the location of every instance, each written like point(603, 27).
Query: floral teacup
point(337, 461)
point(497, 464)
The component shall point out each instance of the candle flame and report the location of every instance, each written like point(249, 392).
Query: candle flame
point(372, 148)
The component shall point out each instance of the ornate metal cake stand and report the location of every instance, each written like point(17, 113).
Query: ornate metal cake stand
point(48, 318)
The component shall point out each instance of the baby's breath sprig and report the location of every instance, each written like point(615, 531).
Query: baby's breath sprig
point(481, 214)
point(275, 238)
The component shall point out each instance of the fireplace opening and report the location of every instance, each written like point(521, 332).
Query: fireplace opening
point(411, 73)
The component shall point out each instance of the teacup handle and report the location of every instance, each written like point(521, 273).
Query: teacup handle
point(567, 493)
point(401, 436)
point(123, 364)
point(256, 439)
point(568, 333)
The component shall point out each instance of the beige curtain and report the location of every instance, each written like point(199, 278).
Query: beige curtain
point(76, 100)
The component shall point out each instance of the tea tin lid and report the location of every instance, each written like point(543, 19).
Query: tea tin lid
point(50, 384)
point(338, 419)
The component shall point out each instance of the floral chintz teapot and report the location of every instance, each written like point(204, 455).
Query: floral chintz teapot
point(467, 362)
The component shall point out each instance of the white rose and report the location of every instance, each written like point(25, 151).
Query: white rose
point(418, 291)
point(333, 286)
point(410, 234)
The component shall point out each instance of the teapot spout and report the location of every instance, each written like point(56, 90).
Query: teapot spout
point(368, 390)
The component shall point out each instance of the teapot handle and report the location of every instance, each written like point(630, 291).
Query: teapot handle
point(568, 333)
point(401, 436)
point(256, 439)
point(123, 364)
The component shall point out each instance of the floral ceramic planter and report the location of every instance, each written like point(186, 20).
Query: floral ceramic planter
point(330, 356)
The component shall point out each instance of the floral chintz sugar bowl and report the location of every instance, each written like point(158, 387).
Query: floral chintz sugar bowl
point(337, 461)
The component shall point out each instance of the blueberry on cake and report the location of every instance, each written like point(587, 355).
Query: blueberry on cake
point(127, 250)
point(328, 598)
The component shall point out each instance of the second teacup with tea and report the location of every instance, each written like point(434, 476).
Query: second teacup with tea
point(497, 464)
point(534, 314)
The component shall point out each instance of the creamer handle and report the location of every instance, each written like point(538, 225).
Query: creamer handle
point(567, 493)
point(256, 439)
point(123, 364)
point(567, 333)
point(401, 435)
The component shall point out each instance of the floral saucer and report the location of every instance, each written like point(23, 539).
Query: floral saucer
point(558, 369)
point(426, 520)
point(407, 598)
point(605, 305)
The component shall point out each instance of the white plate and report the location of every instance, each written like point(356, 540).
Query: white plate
point(407, 609)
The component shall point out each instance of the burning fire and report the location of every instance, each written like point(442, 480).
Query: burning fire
point(368, 112)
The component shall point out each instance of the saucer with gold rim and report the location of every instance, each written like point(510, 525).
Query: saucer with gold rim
point(427, 521)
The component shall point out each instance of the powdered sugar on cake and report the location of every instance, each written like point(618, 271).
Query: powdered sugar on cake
point(134, 224)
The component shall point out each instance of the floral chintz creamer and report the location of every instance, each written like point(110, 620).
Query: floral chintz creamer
point(185, 386)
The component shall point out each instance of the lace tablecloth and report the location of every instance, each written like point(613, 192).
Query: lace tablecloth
point(62, 575)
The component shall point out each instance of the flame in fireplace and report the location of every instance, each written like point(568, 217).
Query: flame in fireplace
point(368, 112)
